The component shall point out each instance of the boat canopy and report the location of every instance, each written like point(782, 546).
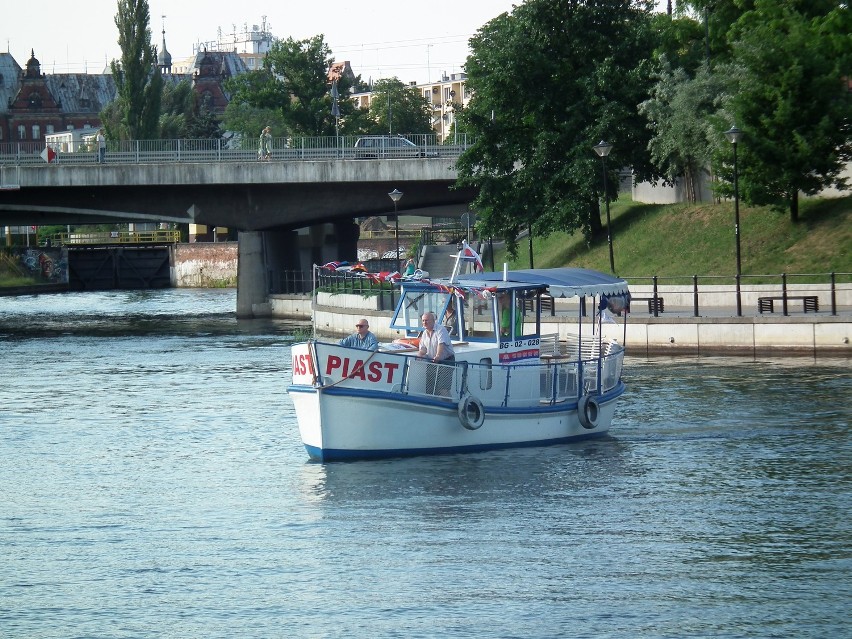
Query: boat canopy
point(561, 282)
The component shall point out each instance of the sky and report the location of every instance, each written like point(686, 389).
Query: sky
point(406, 39)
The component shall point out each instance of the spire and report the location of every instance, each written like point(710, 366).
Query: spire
point(164, 59)
point(33, 66)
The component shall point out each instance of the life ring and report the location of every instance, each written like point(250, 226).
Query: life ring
point(471, 412)
point(408, 341)
point(588, 410)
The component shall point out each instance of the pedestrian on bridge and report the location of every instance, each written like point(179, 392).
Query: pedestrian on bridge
point(264, 151)
point(101, 140)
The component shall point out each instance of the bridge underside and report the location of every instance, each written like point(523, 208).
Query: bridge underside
point(289, 215)
point(247, 207)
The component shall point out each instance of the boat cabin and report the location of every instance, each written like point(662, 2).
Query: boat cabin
point(500, 315)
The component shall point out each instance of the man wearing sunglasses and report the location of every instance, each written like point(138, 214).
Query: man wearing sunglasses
point(362, 338)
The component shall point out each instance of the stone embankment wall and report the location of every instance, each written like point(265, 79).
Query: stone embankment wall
point(205, 265)
point(671, 333)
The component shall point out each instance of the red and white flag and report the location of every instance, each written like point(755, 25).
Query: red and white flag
point(48, 155)
point(469, 255)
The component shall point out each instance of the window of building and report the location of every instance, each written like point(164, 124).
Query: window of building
point(22, 132)
point(36, 132)
point(49, 129)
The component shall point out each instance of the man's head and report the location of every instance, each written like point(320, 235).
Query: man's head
point(362, 326)
point(428, 319)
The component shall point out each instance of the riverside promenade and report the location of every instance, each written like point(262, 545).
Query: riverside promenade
point(676, 331)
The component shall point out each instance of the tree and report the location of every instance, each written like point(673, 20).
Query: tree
point(203, 125)
point(398, 108)
point(792, 101)
point(175, 106)
point(550, 80)
point(679, 113)
point(139, 85)
point(294, 82)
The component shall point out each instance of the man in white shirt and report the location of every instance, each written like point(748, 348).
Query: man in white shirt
point(436, 346)
point(435, 342)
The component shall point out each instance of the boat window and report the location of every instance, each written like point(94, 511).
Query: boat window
point(479, 316)
point(414, 303)
point(528, 306)
point(486, 377)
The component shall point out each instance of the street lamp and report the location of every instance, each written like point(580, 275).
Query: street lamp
point(395, 195)
point(335, 111)
point(734, 134)
point(602, 149)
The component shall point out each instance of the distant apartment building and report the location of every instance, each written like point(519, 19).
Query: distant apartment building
point(444, 97)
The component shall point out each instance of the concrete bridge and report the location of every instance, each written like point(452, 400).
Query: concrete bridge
point(248, 196)
point(290, 214)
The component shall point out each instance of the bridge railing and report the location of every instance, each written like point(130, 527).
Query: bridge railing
point(284, 149)
point(159, 236)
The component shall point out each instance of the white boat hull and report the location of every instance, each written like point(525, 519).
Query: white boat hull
point(499, 383)
point(345, 421)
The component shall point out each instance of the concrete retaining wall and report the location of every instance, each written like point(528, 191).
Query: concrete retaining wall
point(205, 265)
point(720, 296)
point(813, 334)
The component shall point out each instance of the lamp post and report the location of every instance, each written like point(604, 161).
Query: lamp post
point(395, 195)
point(335, 111)
point(602, 149)
point(734, 134)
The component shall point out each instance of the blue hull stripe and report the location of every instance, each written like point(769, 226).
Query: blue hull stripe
point(331, 454)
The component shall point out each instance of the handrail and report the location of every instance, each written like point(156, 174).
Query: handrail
point(181, 151)
point(160, 236)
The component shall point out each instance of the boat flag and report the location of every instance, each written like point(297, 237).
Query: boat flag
point(469, 255)
point(48, 155)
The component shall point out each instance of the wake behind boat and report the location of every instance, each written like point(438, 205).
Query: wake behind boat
point(509, 386)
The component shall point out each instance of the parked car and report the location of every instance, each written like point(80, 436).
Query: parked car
point(388, 146)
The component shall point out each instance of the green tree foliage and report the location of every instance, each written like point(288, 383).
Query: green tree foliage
point(247, 121)
point(680, 42)
point(714, 18)
point(176, 105)
point(137, 110)
point(550, 80)
point(398, 108)
point(792, 99)
point(204, 125)
point(679, 113)
point(294, 83)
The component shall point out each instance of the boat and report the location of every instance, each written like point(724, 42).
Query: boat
point(511, 384)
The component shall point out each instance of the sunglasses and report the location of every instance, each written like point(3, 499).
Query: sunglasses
point(360, 326)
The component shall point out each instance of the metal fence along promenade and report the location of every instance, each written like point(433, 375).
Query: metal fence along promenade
point(421, 146)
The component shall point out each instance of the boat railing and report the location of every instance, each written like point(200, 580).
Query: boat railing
point(441, 381)
point(518, 385)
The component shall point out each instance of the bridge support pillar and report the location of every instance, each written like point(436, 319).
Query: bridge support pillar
point(251, 273)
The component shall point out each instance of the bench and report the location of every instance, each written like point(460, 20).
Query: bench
point(767, 304)
point(545, 301)
point(654, 303)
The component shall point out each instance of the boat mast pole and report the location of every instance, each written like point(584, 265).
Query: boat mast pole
point(455, 268)
point(314, 302)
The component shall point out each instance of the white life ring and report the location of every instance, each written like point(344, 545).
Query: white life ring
point(471, 412)
point(588, 410)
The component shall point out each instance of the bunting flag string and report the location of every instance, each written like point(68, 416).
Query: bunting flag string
point(394, 277)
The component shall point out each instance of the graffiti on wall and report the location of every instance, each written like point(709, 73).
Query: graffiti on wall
point(47, 263)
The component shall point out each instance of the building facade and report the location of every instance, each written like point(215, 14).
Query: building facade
point(444, 96)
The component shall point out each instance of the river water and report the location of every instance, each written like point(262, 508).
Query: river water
point(153, 484)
